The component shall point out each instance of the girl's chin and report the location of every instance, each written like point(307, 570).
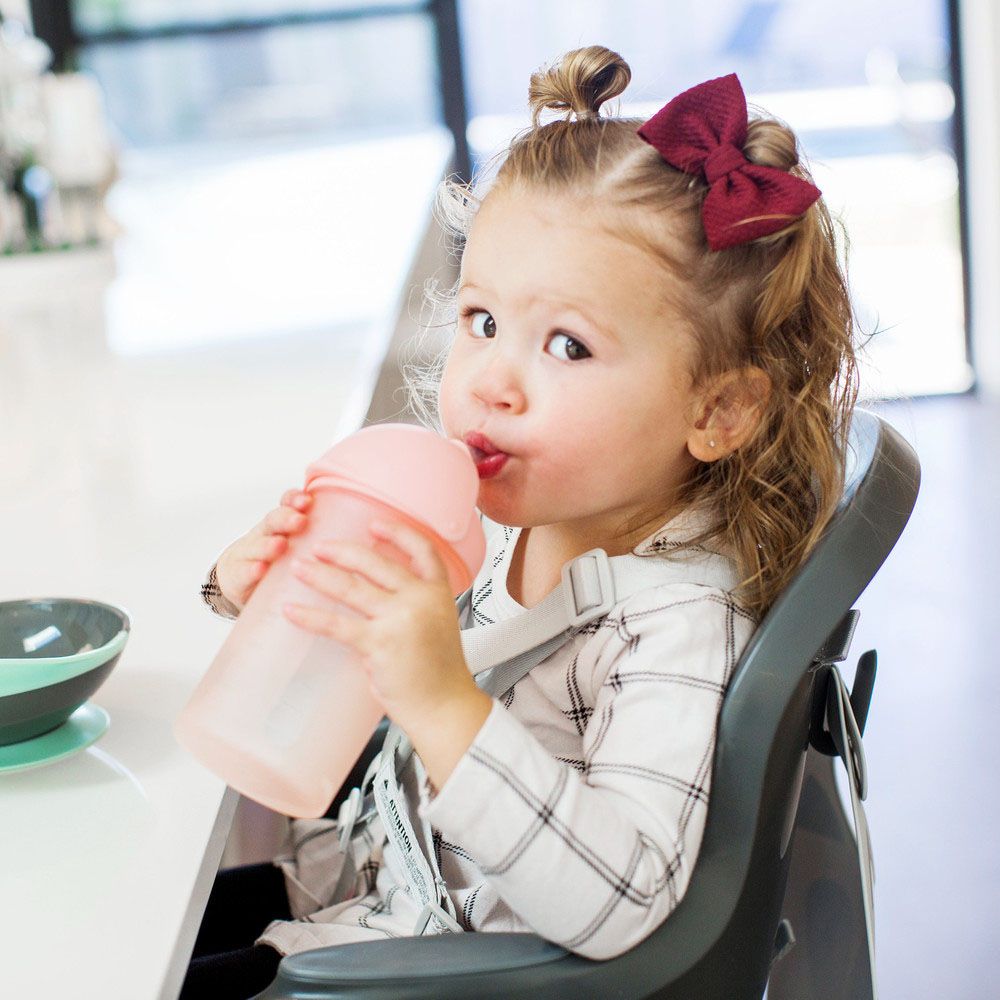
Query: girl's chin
point(493, 504)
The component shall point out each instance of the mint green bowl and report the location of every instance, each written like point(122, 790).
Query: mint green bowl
point(54, 654)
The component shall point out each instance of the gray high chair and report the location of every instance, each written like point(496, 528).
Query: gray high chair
point(776, 898)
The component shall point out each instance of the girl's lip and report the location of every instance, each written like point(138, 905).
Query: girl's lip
point(488, 457)
point(491, 465)
point(481, 446)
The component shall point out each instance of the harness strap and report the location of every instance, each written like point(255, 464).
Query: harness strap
point(591, 585)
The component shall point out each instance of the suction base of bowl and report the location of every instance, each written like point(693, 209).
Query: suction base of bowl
point(86, 725)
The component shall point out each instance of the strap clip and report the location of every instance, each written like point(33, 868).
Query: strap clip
point(443, 920)
point(588, 586)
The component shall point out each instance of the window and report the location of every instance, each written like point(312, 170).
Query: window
point(223, 70)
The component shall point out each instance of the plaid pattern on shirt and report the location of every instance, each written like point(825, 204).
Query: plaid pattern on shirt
point(211, 594)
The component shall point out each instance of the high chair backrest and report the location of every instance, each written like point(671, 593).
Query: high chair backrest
point(763, 740)
point(720, 940)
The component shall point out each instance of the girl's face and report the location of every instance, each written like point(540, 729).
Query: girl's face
point(568, 359)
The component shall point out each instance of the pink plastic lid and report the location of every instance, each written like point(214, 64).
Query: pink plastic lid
point(425, 476)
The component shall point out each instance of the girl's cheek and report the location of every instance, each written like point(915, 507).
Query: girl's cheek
point(448, 401)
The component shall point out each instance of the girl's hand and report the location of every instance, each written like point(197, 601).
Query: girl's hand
point(406, 633)
point(243, 565)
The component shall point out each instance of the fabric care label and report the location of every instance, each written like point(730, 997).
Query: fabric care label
point(392, 809)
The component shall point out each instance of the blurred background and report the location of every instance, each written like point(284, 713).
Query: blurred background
point(267, 97)
point(215, 224)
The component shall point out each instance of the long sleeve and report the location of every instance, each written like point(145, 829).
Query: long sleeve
point(212, 595)
point(596, 857)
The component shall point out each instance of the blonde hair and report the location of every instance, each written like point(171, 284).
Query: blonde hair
point(779, 303)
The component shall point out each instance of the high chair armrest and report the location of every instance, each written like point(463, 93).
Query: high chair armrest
point(434, 967)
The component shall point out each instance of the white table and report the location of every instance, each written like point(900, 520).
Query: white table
point(128, 459)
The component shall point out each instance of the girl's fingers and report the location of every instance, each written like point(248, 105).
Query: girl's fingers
point(340, 584)
point(283, 520)
point(386, 573)
point(266, 547)
point(321, 621)
point(423, 556)
point(299, 499)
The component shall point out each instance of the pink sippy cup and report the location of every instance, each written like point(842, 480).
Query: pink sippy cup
point(282, 714)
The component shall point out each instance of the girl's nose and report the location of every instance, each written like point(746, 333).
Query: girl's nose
point(498, 386)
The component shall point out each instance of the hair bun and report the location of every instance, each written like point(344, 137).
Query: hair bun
point(771, 143)
point(579, 83)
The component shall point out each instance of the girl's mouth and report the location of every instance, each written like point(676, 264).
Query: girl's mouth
point(488, 458)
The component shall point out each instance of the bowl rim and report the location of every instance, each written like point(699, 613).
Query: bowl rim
point(20, 674)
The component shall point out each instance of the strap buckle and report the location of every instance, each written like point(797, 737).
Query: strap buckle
point(589, 587)
point(443, 920)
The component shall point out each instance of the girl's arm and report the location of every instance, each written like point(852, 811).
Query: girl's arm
point(596, 859)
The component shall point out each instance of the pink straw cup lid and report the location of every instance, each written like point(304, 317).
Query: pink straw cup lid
point(430, 479)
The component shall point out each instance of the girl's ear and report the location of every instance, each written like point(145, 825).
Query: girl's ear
point(728, 412)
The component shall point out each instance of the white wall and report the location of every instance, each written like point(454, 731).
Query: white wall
point(980, 31)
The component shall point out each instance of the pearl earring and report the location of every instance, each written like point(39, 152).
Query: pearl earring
point(711, 444)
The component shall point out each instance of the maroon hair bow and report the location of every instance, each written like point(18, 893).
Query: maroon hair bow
point(702, 131)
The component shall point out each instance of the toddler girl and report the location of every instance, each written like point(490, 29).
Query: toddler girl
point(652, 355)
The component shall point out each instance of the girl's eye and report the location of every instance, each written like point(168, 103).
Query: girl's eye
point(483, 324)
point(574, 350)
